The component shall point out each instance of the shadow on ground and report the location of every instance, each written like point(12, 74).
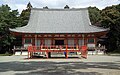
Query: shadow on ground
point(55, 68)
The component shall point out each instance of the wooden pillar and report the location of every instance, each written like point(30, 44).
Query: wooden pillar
point(42, 40)
point(95, 40)
point(23, 39)
point(76, 41)
point(66, 40)
point(35, 39)
point(83, 37)
point(52, 42)
point(66, 51)
point(66, 46)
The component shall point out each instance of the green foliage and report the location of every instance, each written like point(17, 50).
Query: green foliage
point(95, 15)
point(26, 14)
point(29, 6)
point(108, 18)
point(8, 19)
point(111, 20)
point(11, 19)
point(6, 54)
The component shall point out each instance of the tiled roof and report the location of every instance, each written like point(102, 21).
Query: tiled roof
point(58, 21)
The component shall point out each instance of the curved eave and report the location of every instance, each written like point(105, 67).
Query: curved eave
point(43, 32)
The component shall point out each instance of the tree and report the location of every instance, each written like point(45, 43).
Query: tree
point(29, 6)
point(26, 14)
point(23, 20)
point(111, 20)
point(95, 16)
point(8, 19)
point(108, 18)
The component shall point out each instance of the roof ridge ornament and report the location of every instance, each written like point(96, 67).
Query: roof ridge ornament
point(66, 7)
point(46, 7)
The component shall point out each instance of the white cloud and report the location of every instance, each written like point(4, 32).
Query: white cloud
point(20, 7)
point(106, 3)
point(13, 5)
point(49, 3)
point(74, 3)
point(21, 4)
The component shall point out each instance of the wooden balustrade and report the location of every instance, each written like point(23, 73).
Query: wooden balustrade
point(54, 48)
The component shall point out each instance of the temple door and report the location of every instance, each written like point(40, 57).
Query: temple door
point(47, 42)
point(81, 42)
point(37, 42)
point(71, 42)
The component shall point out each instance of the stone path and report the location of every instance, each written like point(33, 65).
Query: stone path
point(94, 65)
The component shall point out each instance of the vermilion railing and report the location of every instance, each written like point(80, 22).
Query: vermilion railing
point(60, 48)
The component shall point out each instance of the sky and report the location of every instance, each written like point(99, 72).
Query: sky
point(21, 4)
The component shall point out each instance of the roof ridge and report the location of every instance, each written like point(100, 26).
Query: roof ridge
point(53, 9)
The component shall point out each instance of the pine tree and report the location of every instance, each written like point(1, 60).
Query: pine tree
point(8, 19)
point(26, 14)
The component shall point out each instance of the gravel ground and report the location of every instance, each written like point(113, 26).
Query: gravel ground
point(93, 65)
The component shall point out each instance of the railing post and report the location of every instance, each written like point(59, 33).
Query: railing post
point(47, 52)
point(31, 48)
point(77, 47)
point(84, 52)
point(66, 51)
point(28, 51)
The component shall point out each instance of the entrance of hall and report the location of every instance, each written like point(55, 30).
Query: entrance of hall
point(59, 42)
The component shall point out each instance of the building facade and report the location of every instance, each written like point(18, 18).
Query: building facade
point(59, 27)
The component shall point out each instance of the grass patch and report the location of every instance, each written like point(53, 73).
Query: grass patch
point(6, 54)
point(114, 54)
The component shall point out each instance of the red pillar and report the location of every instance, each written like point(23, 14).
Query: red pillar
point(66, 51)
point(84, 52)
